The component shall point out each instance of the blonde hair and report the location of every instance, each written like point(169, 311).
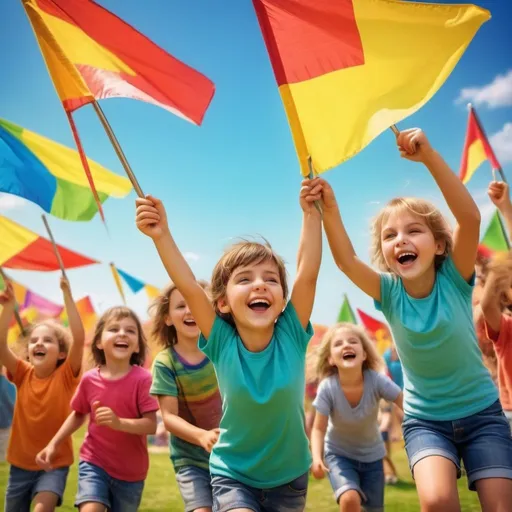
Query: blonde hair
point(238, 255)
point(165, 335)
point(325, 369)
point(118, 313)
point(428, 212)
point(62, 335)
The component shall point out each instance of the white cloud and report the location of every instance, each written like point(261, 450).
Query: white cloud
point(10, 202)
point(496, 94)
point(501, 142)
point(191, 256)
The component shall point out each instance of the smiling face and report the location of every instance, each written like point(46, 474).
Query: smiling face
point(180, 317)
point(254, 295)
point(408, 245)
point(346, 350)
point(44, 350)
point(119, 339)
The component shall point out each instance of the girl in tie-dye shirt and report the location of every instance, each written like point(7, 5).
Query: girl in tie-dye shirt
point(185, 384)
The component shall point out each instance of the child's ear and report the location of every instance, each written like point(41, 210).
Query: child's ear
point(440, 247)
point(62, 356)
point(167, 320)
point(223, 306)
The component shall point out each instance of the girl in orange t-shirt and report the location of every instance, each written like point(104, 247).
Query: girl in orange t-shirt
point(45, 385)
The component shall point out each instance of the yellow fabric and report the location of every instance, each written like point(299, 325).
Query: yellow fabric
point(152, 291)
point(13, 239)
point(117, 280)
point(476, 156)
point(410, 49)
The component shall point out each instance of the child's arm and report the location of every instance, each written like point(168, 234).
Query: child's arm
point(76, 350)
point(151, 220)
point(399, 404)
point(107, 417)
point(7, 356)
point(500, 196)
point(414, 145)
point(309, 255)
point(363, 276)
point(497, 282)
point(183, 429)
point(73, 422)
point(317, 445)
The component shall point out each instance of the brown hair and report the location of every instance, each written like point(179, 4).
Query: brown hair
point(238, 255)
point(432, 216)
point(62, 335)
point(165, 335)
point(118, 313)
point(325, 369)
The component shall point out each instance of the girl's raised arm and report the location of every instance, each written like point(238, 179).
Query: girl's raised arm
point(362, 275)
point(7, 357)
point(151, 220)
point(414, 145)
point(76, 350)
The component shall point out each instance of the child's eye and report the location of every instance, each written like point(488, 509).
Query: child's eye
point(243, 280)
point(272, 280)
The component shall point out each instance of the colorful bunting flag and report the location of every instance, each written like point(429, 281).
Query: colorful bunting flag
point(152, 291)
point(495, 238)
point(476, 149)
point(86, 312)
point(44, 307)
point(348, 70)
point(378, 330)
point(52, 176)
point(346, 314)
point(117, 280)
point(93, 54)
point(24, 249)
point(136, 285)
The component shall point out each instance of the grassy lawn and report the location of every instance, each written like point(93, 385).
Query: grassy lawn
point(161, 492)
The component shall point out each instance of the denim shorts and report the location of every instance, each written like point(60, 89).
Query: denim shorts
point(229, 494)
point(23, 485)
point(95, 484)
point(367, 478)
point(482, 441)
point(195, 487)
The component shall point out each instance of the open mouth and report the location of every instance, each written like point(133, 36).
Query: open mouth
point(259, 305)
point(406, 258)
point(39, 353)
point(189, 323)
point(121, 344)
point(349, 356)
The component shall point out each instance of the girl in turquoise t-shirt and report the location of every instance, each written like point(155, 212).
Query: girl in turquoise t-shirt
point(257, 344)
point(185, 384)
point(450, 402)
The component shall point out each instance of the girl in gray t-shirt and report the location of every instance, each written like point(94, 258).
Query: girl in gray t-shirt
point(346, 430)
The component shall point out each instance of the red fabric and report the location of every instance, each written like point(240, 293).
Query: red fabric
point(329, 38)
point(372, 324)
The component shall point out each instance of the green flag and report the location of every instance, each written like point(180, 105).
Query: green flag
point(495, 238)
point(346, 314)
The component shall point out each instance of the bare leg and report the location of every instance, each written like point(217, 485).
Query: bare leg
point(45, 501)
point(495, 494)
point(350, 501)
point(92, 506)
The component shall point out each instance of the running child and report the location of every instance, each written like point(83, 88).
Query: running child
point(114, 457)
point(257, 343)
point(185, 384)
point(45, 383)
point(346, 441)
point(450, 402)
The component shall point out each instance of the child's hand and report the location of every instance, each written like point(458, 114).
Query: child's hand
point(64, 285)
point(414, 145)
point(150, 217)
point(105, 416)
point(310, 191)
point(319, 469)
point(45, 456)
point(327, 194)
point(498, 192)
point(208, 438)
point(7, 295)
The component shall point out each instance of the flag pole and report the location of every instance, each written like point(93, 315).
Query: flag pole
point(117, 280)
point(117, 148)
point(16, 312)
point(54, 245)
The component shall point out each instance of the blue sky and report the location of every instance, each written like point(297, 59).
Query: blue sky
point(237, 174)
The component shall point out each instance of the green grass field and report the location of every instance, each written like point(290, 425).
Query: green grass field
point(161, 492)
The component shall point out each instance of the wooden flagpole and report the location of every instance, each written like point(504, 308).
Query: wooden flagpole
point(54, 245)
point(16, 312)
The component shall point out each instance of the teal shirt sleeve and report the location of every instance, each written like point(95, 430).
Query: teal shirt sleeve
point(450, 271)
point(289, 322)
point(164, 379)
point(389, 284)
point(213, 347)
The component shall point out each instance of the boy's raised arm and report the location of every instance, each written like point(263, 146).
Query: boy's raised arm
point(76, 350)
point(7, 356)
point(151, 220)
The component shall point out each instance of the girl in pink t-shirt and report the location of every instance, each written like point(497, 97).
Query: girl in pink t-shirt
point(114, 458)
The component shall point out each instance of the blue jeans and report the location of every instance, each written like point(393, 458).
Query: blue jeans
point(23, 485)
point(367, 478)
point(195, 487)
point(96, 485)
point(229, 494)
point(482, 440)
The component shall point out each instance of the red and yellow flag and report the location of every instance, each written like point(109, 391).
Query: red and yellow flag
point(476, 149)
point(378, 330)
point(349, 69)
point(92, 54)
